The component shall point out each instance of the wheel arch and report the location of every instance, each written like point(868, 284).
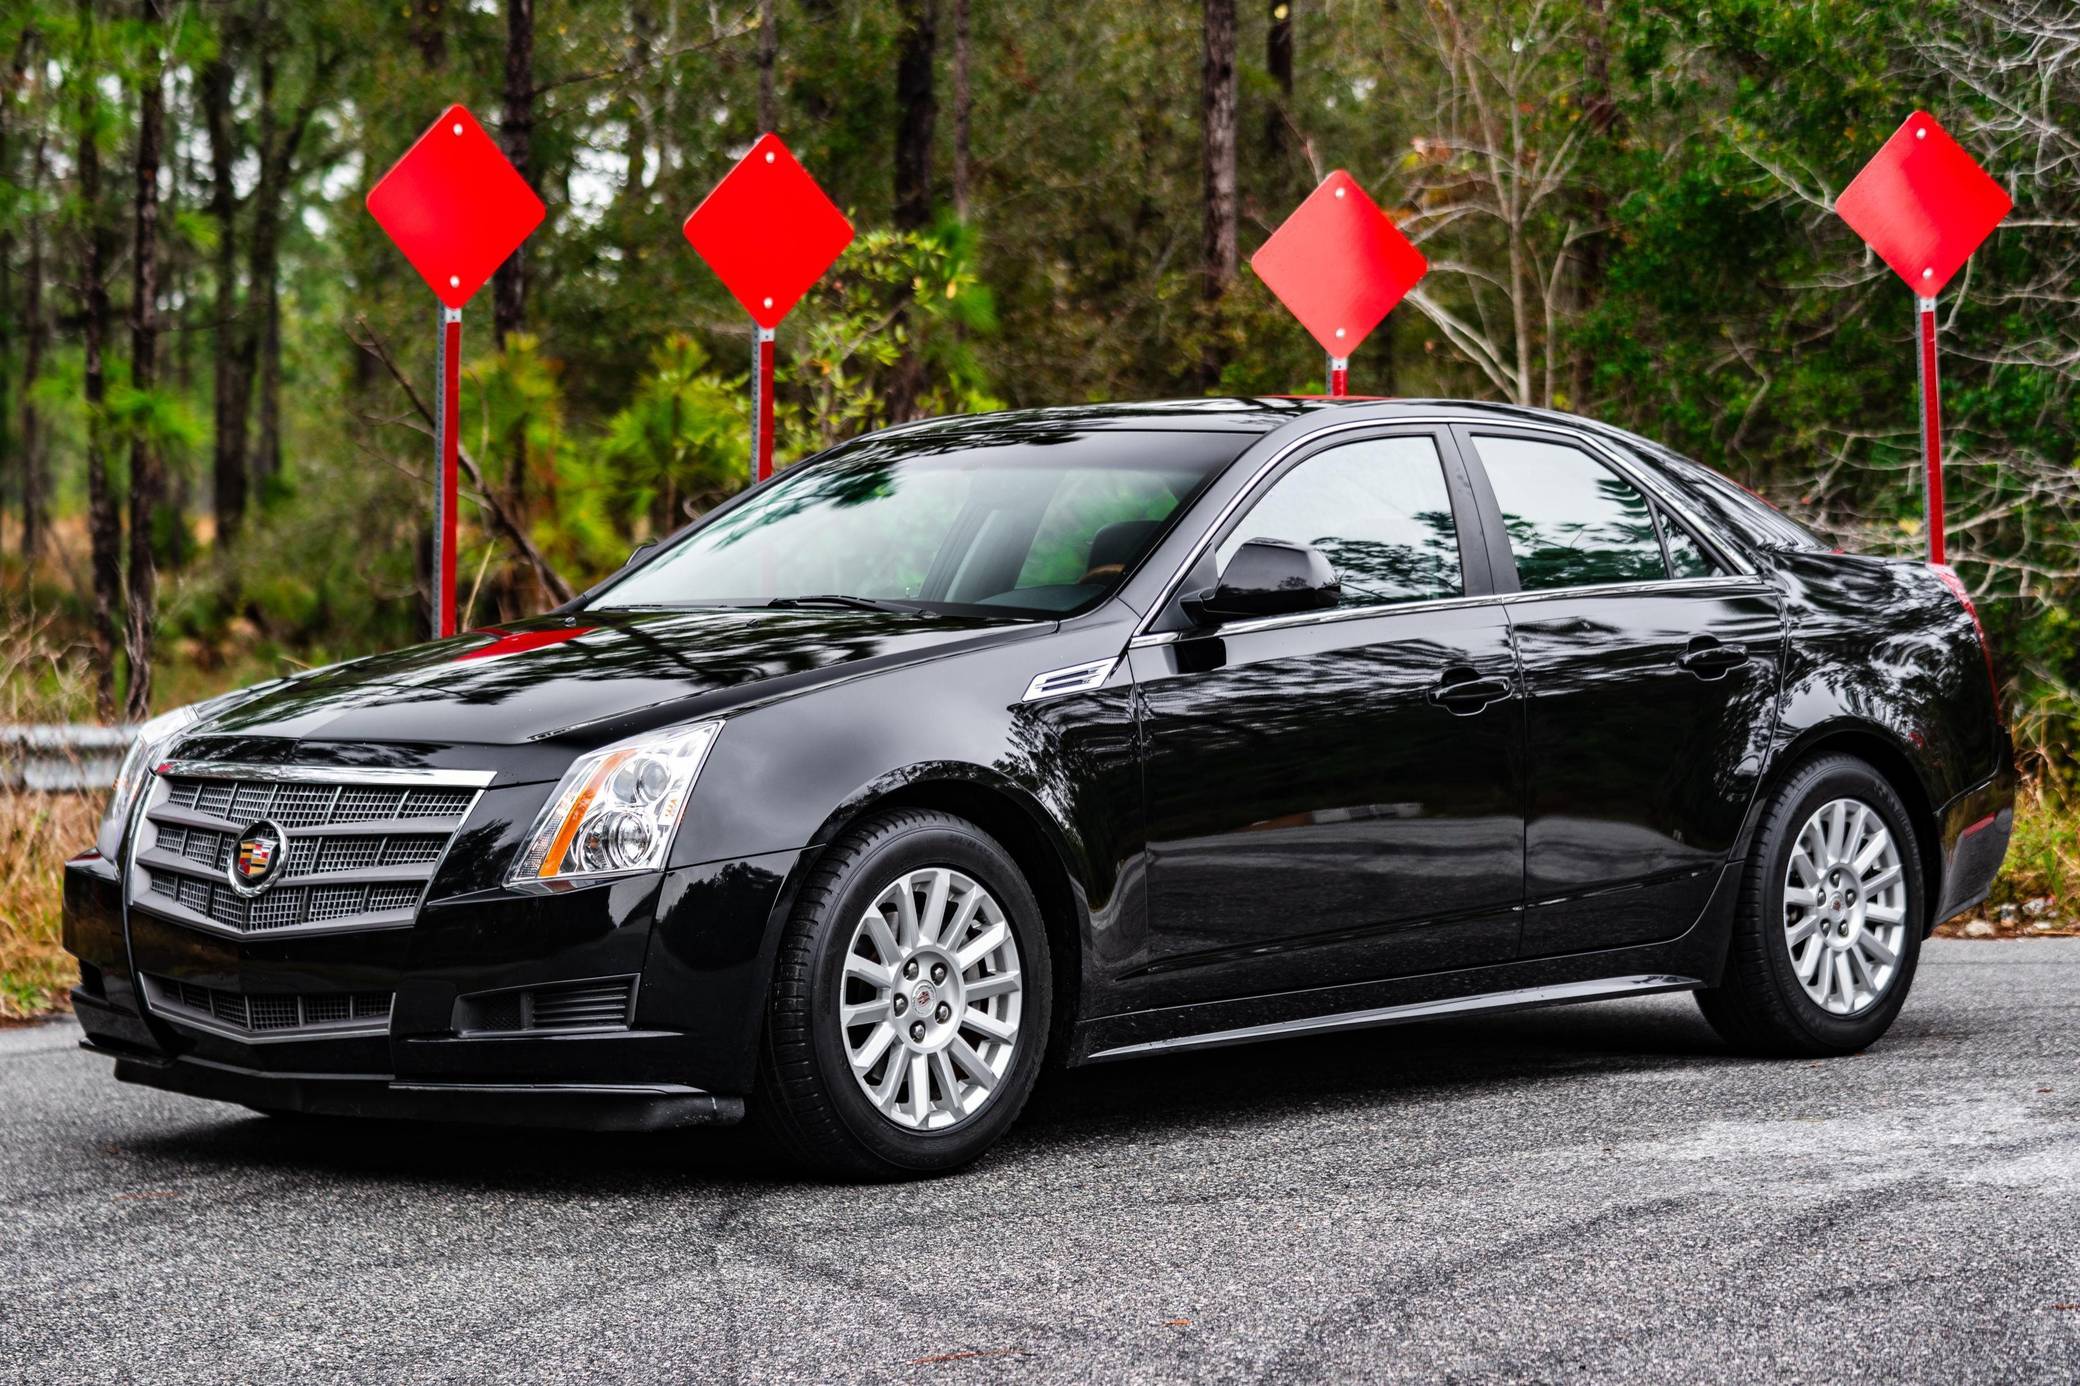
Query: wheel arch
point(1879, 748)
point(1035, 842)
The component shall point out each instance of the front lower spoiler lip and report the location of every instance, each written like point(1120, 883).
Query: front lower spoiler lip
point(577, 1106)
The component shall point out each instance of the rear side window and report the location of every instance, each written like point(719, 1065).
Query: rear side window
point(1379, 511)
point(1572, 521)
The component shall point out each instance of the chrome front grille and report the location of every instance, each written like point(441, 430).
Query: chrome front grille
point(360, 846)
point(270, 1015)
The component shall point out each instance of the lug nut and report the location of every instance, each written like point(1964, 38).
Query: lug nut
point(938, 972)
point(910, 968)
point(917, 1030)
point(902, 1003)
point(943, 1014)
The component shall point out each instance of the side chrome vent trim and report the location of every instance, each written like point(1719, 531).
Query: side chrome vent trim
point(1077, 678)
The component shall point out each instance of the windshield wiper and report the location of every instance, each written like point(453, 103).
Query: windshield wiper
point(851, 602)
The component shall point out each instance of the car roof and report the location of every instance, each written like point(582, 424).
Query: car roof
point(1234, 414)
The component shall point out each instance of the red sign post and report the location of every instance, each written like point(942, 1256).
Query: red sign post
point(1924, 205)
point(457, 208)
point(1339, 263)
point(769, 232)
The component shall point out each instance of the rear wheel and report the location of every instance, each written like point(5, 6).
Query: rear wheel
point(910, 1002)
point(1831, 917)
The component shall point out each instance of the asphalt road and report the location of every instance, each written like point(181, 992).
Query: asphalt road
point(1596, 1192)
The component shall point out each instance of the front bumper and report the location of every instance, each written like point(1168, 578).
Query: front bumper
point(693, 945)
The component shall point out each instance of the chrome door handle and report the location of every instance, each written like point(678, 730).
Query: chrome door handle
point(1464, 697)
point(1710, 659)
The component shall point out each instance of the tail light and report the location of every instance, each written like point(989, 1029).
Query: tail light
point(1956, 585)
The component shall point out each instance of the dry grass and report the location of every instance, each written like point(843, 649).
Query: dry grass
point(37, 833)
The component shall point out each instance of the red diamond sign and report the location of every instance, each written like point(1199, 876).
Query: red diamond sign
point(455, 206)
point(1339, 263)
point(1924, 204)
point(768, 231)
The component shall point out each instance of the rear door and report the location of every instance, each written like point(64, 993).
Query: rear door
point(1650, 659)
point(1337, 796)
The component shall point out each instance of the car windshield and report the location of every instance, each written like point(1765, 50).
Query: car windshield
point(976, 518)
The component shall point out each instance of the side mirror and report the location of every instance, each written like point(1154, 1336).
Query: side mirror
point(638, 551)
point(1267, 577)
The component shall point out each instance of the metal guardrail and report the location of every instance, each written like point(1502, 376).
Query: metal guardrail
point(61, 758)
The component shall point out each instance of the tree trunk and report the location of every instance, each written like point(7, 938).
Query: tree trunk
point(233, 389)
point(104, 524)
point(1278, 61)
point(263, 252)
point(267, 449)
point(1593, 261)
point(768, 55)
point(38, 332)
point(963, 106)
point(642, 38)
point(1217, 121)
point(516, 135)
point(9, 316)
point(509, 284)
point(147, 479)
point(1217, 138)
point(916, 111)
point(427, 24)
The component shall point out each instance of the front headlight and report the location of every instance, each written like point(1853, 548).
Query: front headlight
point(146, 749)
point(615, 810)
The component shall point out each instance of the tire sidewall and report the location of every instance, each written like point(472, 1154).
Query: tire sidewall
point(976, 856)
point(1839, 778)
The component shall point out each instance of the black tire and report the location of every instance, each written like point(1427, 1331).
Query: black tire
point(1760, 1006)
point(806, 1100)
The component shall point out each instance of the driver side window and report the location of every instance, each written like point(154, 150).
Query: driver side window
point(1379, 510)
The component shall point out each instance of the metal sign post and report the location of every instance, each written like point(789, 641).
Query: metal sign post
point(761, 403)
point(447, 444)
point(1931, 429)
point(1924, 205)
point(457, 208)
point(769, 232)
point(1339, 264)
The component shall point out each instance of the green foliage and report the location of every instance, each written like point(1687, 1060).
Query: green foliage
point(1630, 198)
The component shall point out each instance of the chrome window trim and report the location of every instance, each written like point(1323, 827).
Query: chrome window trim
point(326, 774)
point(1669, 586)
point(1628, 468)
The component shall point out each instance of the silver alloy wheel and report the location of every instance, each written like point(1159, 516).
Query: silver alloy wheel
point(1845, 906)
point(931, 999)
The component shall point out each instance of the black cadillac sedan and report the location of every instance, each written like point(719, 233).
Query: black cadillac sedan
point(1063, 736)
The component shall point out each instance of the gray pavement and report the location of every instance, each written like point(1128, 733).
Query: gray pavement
point(1596, 1192)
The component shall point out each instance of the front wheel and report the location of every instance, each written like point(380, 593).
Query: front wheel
point(910, 1002)
point(1831, 916)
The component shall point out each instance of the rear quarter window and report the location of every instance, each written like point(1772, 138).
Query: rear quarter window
point(1748, 515)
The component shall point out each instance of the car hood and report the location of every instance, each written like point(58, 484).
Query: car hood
point(601, 669)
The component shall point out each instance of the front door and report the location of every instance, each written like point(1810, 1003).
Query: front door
point(1337, 797)
point(1650, 664)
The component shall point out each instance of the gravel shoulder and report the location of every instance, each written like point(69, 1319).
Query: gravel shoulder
point(1595, 1191)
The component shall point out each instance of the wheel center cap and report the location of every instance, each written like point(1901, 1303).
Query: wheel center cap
point(924, 998)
